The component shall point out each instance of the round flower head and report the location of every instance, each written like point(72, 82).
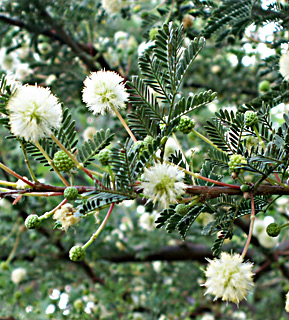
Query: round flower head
point(34, 111)
point(163, 183)
point(103, 91)
point(111, 6)
point(284, 65)
point(18, 275)
point(229, 277)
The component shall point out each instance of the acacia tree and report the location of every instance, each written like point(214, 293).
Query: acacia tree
point(223, 171)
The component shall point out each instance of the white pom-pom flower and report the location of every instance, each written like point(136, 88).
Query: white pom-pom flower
point(18, 275)
point(163, 183)
point(34, 111)
point(111, 6)
point(287, 302)
point(103, 91)
point(284, 65)
point(229, 278)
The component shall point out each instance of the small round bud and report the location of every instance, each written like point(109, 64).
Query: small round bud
point(234, 175)
point(164, 140)
point(181, 209)
point(4, 265)
point(188, 21)
point(103, 156)
point(76, 253)
point(246, 195)
point(32, 222)
point(251, 118)
point(153, 33)
point(147, 140)
point(78, 304)
point(144, 14)
point(244, 187)
point(186, 125)
point(264, 86)
point(62, 161)
point(17, 295)
point(70, 193)
point(236, 160)
point(273, 230)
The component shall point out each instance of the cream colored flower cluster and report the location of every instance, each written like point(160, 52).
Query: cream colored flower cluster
point(163, 183)
point(229, 278)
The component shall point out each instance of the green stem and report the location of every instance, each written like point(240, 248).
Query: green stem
point(51, 163)
point(124, 124)
point(207, 140)
point(16, 175)
point(284, 225)
point(27, 162)
point(252, 218)
point(98, 231)
point(50, 213)
point(259, 137)
point(8, 184)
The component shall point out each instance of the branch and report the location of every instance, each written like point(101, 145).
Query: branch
point(216, 191)
point(58, 33)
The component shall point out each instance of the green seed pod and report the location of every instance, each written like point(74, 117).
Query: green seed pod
point(244, 187)
point(70, 193)
point(264, 86)
point(76, 253)
point(251, 118)
point(62, 161)
point(32, 222)
point(186, 125)
point(103, 156)
point(181, 209)
point(273, 229)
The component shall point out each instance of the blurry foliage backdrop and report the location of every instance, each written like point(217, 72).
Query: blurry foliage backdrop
point(132, 271)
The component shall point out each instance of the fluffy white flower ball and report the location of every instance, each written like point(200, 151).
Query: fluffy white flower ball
point(18, 275)
point(34, 111)
point(229, 277)
point(103, 91)
point(284, 65)
point(111, 6)
point(163, 183)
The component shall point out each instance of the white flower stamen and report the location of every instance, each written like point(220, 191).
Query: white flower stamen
point(163, 183)
point(34, 111)
point(229, 278)
point(103, 91)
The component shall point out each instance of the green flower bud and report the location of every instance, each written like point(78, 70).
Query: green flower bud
point(70, 193)
point(78, 304)
point(244, 187)
point(76, 253)
point(273, 229)
point(181, 209)
point(236, 160)
point(17, 295)
point(32, 222)
point(4, 265)
point(186, 125)
point(62, 161)
point(148, 139)
point(251, 118)
point(264, 86)
point(103, 156)
point(153, 33)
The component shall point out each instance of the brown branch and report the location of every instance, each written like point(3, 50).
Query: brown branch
point(216, 191)
point(58, 33)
